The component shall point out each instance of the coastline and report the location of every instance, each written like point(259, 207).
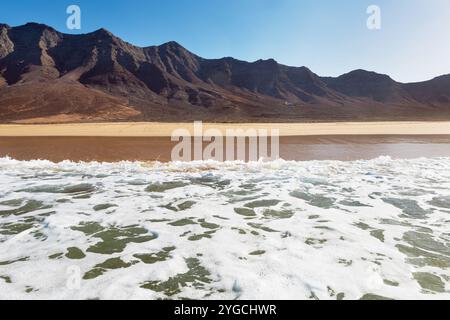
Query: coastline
point(159, 129)
point(298, 148)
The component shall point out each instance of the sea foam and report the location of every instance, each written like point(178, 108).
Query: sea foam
point(208, 230)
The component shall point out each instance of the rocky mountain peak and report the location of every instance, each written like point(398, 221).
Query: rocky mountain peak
point(40, 67)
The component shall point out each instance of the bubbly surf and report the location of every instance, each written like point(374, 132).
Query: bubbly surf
point(204, 230)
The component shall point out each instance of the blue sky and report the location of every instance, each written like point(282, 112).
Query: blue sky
point(328, 36)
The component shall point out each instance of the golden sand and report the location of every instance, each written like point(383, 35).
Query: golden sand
point(148, 129)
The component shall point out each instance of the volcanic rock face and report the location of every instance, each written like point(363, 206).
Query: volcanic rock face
point(48, 76)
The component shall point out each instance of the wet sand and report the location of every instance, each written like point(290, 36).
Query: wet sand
point(322, 147)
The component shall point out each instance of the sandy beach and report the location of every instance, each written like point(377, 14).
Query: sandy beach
point(111, 142)
point(149, 129)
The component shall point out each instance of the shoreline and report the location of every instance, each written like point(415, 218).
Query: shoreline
point(159, 129)
point(298, 148)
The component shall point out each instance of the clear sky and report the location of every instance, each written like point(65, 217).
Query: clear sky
point(328, 36)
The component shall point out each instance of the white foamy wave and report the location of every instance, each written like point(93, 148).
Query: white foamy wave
point(262, 230)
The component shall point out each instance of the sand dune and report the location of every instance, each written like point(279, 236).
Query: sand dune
point(166, 129)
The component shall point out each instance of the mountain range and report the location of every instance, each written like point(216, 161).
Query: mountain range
point(48, 77)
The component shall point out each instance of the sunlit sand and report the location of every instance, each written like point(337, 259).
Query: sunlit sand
point(166, 129)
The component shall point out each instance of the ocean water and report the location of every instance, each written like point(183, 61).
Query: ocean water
point(280, 230)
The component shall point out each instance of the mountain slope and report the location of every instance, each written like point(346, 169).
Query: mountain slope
point(435, 91)
point(361, 83)
point(48, 76)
